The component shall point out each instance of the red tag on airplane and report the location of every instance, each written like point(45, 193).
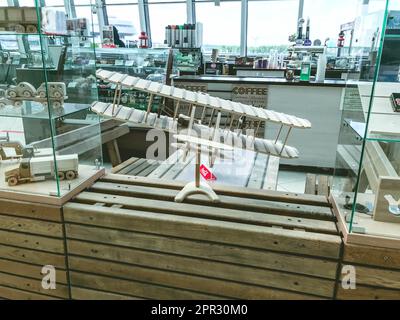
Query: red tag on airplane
point(207, 174)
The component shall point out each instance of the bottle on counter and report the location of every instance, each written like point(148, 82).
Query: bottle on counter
point(305, 69)
point(321, 67)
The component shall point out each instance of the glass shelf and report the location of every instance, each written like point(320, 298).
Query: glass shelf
point(392, 36)
point(35, 110)
point(359, 129)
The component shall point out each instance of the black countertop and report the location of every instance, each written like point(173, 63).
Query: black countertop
point(259, 80)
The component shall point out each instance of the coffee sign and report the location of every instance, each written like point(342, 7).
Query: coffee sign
point(251, 94)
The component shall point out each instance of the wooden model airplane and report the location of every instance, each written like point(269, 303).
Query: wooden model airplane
point(234, 110)
point(192, 126)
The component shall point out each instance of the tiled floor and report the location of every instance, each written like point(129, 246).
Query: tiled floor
point(291, 181)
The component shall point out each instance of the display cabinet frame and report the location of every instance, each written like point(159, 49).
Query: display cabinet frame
point(51, 143)
point(366, 184)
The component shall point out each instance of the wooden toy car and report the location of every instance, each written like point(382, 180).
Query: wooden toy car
point(56, 90)
point(22, 90)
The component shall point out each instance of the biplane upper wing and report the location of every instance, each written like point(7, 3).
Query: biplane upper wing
point(202, 99)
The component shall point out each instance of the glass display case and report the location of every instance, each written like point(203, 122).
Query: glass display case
point(366, 186)
point(151, 64)
point(50, 141)
point(188, 61)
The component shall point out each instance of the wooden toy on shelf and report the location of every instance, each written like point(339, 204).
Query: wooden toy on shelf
point(41, 168)
point(24, 91)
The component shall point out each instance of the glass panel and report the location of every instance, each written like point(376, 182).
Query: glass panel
point(223, 36)
point(162, 15)
point(126, 19)
point(263, 35)
point(327, 16)
point(49, 140)
point(367, 169)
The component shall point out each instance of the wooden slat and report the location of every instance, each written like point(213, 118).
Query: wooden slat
point(373, 256)
point(311, 182)
point(89, 294)
point(31, 271)
point(256, 178)
point(30, 210)
point(32, 285)
point(199, 211)
point(287, 197)
point(149, 169)
point(166, 165)
point(31, 226)
point(228, 202)
point(113, 152)
point(15, 294)
point(323, 189)
point(124, 164)
point(217, 231)
point(378, 277)
point(178, 167)
point(142, 167)
point(205, 268)
point(31, 242)
point(134, 288)
point(189, 248)
point(201, 284)
point(367, 293)
point(32, 256)
point(271, 174)
point(131, 166)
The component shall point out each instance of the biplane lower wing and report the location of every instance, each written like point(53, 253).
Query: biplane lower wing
point(231, 138)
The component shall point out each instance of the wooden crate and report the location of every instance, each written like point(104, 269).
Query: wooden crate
point(31, 236)
point(377, 272)
point(127, 238)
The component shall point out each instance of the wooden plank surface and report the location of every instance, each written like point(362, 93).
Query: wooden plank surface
point(31, 241)
point(30, 210)
point(378, 277)
point(32, 285)
point(29, 270)
point(300, 242)
point(271, 174)
point(367, 293)
point(89, 294)
point(200, 211)
point(202, 284)
point(133, 288)
point(126, 242)
point(256, 178)
point(32, 256)
point(124, 164)
point(372, 256)
point(228, 202)
point(201, 266)
point(16, 294)
point(288, 197)
point(30, 226)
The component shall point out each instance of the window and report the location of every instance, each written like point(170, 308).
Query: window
point(126, 19)
point(327, 16)
point(26, 3)
point(86, 12)
point(54, 3)
point(268, 28)
point(163, 14)
point(120, 2)
point(221, 25)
